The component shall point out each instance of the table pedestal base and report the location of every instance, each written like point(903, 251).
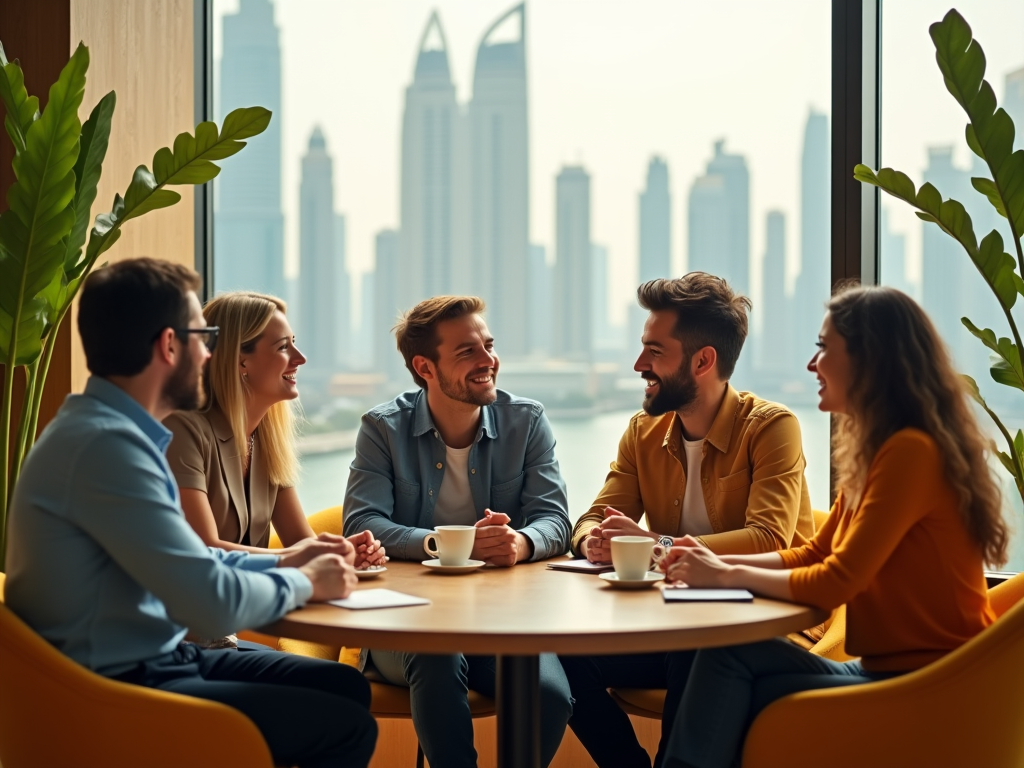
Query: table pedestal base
point(518, 703)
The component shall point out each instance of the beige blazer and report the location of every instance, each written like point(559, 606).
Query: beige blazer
point(203, 455)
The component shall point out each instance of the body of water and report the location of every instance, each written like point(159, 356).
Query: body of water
point(585, 448)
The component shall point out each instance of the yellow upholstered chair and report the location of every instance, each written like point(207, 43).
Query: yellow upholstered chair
point(387, 702)
point(55, 712)
point(965, 709)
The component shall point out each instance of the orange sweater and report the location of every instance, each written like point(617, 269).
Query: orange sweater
point(902, 562)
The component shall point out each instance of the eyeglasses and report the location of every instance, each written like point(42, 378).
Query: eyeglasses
point(208, 335)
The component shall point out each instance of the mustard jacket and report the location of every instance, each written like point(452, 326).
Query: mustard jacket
point(752, 474)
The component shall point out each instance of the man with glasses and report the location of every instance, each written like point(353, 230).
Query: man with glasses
point(104, 566)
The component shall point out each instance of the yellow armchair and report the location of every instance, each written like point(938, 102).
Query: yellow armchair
point(965, 709)
point(55, 712)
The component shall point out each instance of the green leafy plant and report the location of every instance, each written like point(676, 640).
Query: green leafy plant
point(990, 134)
point(46, 247)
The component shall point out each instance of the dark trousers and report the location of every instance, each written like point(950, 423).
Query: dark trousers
point(598, 722)
point(312, 713)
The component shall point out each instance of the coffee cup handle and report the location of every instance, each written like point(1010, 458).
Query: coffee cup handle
point(657, 555)
point(430, 545)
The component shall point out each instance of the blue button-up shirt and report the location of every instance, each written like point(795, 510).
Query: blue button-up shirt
point(101, 561)
point(400, 461)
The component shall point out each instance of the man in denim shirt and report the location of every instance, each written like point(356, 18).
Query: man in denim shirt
point(459, 451)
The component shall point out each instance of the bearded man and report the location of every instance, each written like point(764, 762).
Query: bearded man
point(700, 460)
point(459, 451)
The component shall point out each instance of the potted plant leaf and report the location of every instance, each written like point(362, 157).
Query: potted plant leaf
point(46, 246)
point(990, 134)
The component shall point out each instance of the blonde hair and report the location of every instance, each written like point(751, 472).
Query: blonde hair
point(242, 316)
point(904, 377)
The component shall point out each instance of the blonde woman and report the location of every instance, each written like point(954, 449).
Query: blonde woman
point(235, 462)
point(917, 516)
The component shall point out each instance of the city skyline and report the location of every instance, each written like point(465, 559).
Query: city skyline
point(502, 62)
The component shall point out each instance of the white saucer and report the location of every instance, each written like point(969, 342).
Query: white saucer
point(370, 573)
point(651, 577)
point(469, 567)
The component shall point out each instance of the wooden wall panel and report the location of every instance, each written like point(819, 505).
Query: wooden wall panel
point(143, 51)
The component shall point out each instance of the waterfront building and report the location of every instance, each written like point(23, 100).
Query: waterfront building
point(573, 339)
point(249, 236)
point(499, 179)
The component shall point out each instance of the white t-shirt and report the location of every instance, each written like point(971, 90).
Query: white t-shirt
point(694, 520)
point(454, 499)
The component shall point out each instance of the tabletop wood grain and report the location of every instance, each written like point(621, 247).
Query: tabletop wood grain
point(529, 609)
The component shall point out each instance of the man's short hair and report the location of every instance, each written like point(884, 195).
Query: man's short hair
point(125, 306)
point(416, 331)
point(708, 314)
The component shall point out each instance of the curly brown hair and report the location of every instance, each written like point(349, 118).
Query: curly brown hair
point(904, 377)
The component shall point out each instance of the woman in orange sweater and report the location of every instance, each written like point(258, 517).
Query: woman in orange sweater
point(917, 516)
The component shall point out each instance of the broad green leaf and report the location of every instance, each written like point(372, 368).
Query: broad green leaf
point(990, 132)
point(29, 342)
point(1007, 462)
point(95, 138)
point(1006, 363)
point(40, 214)
point(22, 110)
point(189, 161)
point(987, 337)
point(996, 266)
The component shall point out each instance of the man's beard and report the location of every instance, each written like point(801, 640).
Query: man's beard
point(460, 390)
point(673, 394)
point(184, 390)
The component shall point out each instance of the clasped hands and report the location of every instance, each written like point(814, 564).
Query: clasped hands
point(330, 561)
point(496, 543)
point(686, 562)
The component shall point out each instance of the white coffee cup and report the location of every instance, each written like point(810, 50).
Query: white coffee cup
point(631, 556)
point(451, 544)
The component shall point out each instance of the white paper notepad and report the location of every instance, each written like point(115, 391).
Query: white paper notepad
point(378, 598)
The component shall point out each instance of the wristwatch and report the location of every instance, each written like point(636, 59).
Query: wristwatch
point(666, 541)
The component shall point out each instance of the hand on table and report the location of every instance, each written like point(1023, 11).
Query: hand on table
point(332, 576)
point(496, 543)
point(369, 552)
point(299, 554)
point(694, 565)
point(598, 544)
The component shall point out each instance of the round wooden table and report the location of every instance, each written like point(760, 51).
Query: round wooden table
point(518, 613)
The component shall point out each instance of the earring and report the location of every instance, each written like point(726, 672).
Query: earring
point(245, 375)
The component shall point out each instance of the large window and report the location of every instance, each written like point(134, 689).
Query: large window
point(546, 156)
point(923, 135)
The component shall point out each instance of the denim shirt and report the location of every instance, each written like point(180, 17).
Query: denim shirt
point(101, 561)
point(400, 462)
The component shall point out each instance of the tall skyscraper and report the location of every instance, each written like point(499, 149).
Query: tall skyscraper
point(387, 306)
point(1013, 103)
point(342, 295)
point(249, 236)
point(320, 309)
point(656, 223)
point(573, 282)
point(429, 126)
point(719, 220)
point(539, 307)
point(947, 279)
point(602, 335)
point(814, 284)
point(773, 347)
point(362, 336)
point(894, 258)
point(499, 180)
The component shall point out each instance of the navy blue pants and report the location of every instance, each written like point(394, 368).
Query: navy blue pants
point(312, 713)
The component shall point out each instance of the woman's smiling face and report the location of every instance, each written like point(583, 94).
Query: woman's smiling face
point(269, 369)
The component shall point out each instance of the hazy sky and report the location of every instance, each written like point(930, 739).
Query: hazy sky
point(610, 84)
